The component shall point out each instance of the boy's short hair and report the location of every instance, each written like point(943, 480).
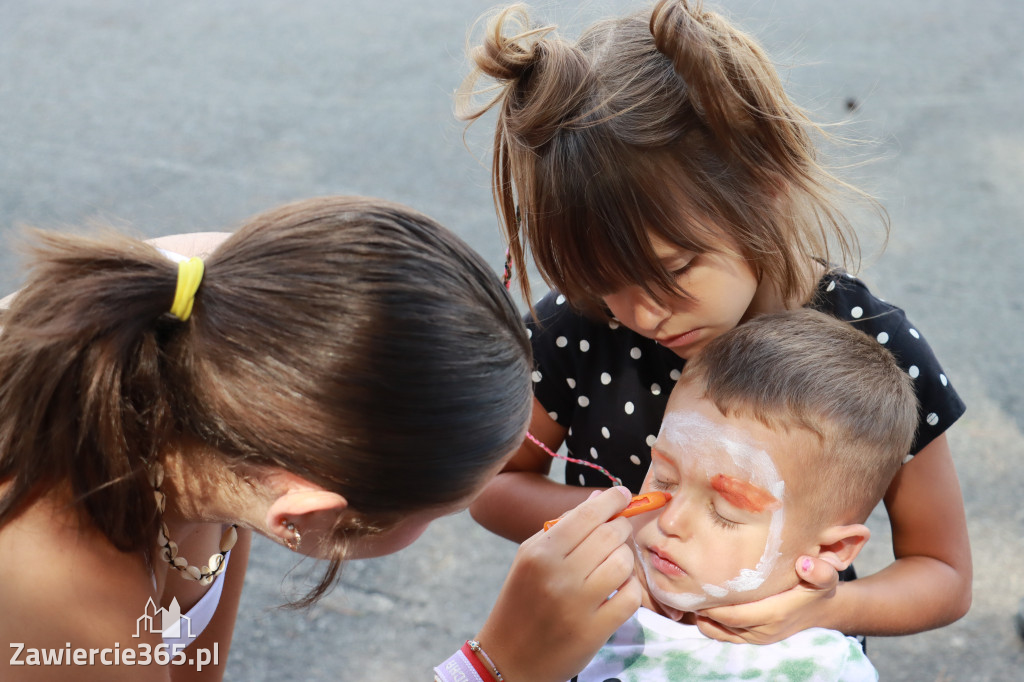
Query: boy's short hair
point(802, 368)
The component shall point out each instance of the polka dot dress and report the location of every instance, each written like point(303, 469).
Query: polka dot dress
point(609, 386)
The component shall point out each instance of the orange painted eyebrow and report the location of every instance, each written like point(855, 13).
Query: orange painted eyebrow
point(743, 495)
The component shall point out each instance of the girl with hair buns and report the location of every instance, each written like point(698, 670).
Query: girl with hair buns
point(669, 190)
point(334, 375)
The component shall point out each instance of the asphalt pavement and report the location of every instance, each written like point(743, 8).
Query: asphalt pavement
point(167, 117)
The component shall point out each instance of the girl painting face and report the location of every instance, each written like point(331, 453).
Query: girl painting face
point(724, 537)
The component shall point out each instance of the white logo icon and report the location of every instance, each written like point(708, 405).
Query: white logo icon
point(167, 622)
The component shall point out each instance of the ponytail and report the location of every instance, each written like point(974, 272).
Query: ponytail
point(544, 85)
point(81, 394)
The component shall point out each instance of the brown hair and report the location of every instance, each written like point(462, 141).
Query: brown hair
point(804, 369)
point(671, 123)
point(350, 341)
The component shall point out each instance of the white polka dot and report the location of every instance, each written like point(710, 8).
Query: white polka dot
point(629, 407)
point(553, 415)
point(613, 324)
point(907, 458)
point(583, 481)
point(605, 432)
point(606, 378)
point(932, 419)
point(536, 377)
point(674, 375)
point(560, 300)
point(584, 345)
point(634, 353)
point(529, 333)
point(831, 286)
point(593, 453)
point(635, 460)
point(856, 312)
point(655, 389)
point(913, 332)
point(944, 380)
point(571, 382)
point(561, 342)
point(583, 401)
point(570, 431)
point(914, 372)
point(651, 440)
point(883, 338)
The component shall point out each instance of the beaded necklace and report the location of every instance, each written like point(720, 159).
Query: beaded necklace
point(169, 548)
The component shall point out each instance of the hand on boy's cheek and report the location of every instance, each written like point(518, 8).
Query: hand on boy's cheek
point(777, 617)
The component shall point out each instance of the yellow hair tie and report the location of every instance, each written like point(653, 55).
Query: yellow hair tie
point(190, 274)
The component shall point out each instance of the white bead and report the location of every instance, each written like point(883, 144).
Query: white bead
point(161, 501)
point(156, 475)
point(179, 562)
point(229, 539)
point(207, 580)
point(215, 561)
point(173, 547)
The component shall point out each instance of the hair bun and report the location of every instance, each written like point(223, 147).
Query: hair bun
point(703, 54)
point(510, 45)
point(542, 79)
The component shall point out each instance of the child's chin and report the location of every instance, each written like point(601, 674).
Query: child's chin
point(673, 614)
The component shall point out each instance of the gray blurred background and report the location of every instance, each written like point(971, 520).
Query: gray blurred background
point(168, 117)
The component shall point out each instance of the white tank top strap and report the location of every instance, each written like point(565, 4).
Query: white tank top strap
point(184, 631)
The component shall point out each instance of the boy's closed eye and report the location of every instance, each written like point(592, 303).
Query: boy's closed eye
point(724, 518)
point(719, 520)
point(743, 495)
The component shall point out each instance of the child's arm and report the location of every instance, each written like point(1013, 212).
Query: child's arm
point(521, 498)
point(927, 586)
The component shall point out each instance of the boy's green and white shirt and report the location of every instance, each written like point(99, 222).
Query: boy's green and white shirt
point(652, 648)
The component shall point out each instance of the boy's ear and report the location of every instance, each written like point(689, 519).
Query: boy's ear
point(840, 545)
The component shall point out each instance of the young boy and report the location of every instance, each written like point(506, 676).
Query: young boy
point(778, 441)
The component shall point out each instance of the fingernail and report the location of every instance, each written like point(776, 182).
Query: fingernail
point(806, 565)
point(594, 494)
point(625, 491)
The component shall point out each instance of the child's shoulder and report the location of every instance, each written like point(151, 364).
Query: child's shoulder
point(848, 298)
point(67, 582)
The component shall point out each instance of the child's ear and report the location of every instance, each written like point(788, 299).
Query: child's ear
point(300, 502)
point(840, 545)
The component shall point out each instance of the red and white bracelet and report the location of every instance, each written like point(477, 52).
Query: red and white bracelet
point(464, 666)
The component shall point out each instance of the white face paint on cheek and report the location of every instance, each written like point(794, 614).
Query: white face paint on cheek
point(680, 601)
point(687, 431)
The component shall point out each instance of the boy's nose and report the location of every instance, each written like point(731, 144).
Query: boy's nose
point(676, 518)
